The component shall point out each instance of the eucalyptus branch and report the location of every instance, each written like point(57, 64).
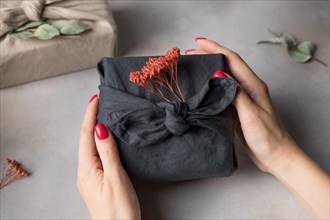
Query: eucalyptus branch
point(301, 52)
point(46, 30)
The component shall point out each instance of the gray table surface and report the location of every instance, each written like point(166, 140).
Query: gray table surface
point(40, 121)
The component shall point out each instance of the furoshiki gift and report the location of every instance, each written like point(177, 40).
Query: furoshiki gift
point(33, 59)
point(171, 118)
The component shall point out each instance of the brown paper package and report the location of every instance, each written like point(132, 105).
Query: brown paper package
point(24, 61)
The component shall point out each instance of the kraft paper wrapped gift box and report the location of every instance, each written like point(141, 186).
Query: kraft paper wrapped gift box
point(23, 61)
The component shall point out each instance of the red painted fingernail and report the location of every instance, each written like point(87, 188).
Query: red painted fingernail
point(101, 132)
point(93, 97)
point(220, 74)
point(199, 38)
point(189, 50)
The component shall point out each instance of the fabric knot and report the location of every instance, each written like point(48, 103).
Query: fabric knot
point(175, 121)
point(33, 9)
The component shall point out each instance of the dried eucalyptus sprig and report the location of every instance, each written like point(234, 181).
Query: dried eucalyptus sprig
point(301, 52)
point(45, 30)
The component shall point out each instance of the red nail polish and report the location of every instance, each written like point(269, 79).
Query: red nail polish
point(220, 74)
point(199, 38)
point(101, 132)
point(189, 50)
point(93, 97)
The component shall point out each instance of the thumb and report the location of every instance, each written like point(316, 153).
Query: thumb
point(107, 149)
point(243, 103)
point(247, 110)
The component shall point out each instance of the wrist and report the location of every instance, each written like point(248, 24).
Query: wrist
point(305, 178)
point(285, 158)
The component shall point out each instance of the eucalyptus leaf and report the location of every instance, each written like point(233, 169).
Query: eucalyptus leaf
point(70, 27)
point(290, 40)
point(307, 47)
point(23, 35)
point(58, 23)
point(286, 39)
point(298, 56)
point(28, 25)
point(278, 40)
point(46, 31)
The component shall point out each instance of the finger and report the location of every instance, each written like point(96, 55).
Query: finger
point(107, 150)
point(87, 150)
point(195, 51)
point(247, 79)
point(240, 70)
point(200, 51)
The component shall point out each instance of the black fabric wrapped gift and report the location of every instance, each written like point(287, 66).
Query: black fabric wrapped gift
point(171, 141)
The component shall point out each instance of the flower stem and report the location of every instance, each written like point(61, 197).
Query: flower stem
point(177, 83)
point(151, 89)
point(319, 61)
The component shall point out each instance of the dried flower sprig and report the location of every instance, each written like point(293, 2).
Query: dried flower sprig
point(161, 72)
point(12, 170)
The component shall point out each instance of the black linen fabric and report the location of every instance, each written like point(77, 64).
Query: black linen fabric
point(171, 141)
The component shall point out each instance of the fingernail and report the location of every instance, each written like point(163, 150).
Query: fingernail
point(101, 132)
point(93, 97)
point(189, 50)
point(220, 74)
point(199, 38)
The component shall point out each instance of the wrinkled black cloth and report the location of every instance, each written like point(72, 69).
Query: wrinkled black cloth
point(174, 141)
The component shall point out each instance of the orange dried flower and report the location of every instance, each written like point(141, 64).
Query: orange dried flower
point(161, 72)
point(12, 170)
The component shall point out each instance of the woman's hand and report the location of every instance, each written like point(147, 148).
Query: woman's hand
point(102, 180)
point(268, 143)
point(267, 140)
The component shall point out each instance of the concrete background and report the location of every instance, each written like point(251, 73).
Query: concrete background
point(40, 121)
